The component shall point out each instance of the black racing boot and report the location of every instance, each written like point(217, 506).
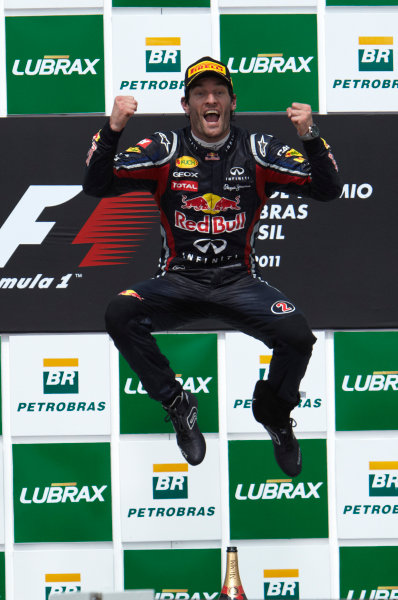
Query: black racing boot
point(274, 414)
point(183, 413)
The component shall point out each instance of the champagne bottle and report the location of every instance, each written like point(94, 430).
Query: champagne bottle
point(232, 588)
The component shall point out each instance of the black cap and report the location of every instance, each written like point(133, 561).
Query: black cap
point(207, 66)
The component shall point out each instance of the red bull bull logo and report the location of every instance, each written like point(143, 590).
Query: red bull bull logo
point(210, 203)
point(131, 293)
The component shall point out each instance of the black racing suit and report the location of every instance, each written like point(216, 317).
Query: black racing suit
point(210, 204)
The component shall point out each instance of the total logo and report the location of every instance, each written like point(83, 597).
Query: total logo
point(281, 583)
point(163, 54)
point(270, 63)
point(62, 492)
point(275, 489)
point(170, 481)
point(385, 592)
point(62, 583)
point(61, 376)
point(55, 65)
point(375, 53)
point(383, 482)
point(378, 381)
point(184, 594)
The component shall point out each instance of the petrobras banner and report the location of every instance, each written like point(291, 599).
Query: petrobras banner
point(273, 570)
point(265, 69)
point(247, 361)
point(294, 507)
point(163, 497)
point(175, 574)
point(367, 488)
point(193, 357)
point(366, 380)
point(160, 48)
point(362, 68)
point(59, 384)
point(55, 64)
point(368, 572)
point(62, 492)
point(40, 573)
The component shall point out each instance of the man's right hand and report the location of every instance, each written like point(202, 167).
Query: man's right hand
point(123, 109)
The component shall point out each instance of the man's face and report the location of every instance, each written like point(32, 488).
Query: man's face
point(209, 109)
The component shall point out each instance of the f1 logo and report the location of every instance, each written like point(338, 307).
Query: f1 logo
point(22, 226)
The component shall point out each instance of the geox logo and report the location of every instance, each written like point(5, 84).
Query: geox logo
point(62, 583)
point(375, 53)
point(275, 489)
point(383, 480)
point(385, 592)
point(163, 59)
point(270, 63)
point(60, 376)
point(374, 382)
point(281, 583)
point(170, 481)
point(55, 65)
point(62, 492)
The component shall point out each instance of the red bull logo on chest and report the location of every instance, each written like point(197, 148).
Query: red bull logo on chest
point(210, 203)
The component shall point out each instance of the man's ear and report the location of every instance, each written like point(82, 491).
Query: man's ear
point(233, 105)
point(185, 106)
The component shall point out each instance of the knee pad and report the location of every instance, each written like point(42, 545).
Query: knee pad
point(294, 330)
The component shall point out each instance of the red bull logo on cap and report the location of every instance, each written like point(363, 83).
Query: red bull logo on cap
point(211, 203)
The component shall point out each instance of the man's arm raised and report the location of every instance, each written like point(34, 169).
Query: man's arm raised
point(124, 107)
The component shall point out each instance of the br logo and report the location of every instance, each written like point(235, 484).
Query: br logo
point(169, 481)
point(281, 583)
point(375, 53)
point(62, 583)
point(163, 59)
point(60, 376)
point(383, 478)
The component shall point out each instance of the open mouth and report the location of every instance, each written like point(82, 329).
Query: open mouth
point(212, 116)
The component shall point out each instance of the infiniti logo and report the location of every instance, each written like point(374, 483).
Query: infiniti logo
point(237, 171)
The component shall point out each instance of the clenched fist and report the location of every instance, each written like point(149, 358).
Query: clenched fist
point(123, 109)
point(301, 116)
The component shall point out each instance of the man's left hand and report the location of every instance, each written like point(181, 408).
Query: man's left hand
point(301, 116)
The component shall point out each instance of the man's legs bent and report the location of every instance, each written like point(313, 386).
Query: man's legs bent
point(274, 399)
point(129, 323)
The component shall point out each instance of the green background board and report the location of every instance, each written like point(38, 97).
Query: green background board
point(195, 571)
point(251, 35)
point(40, 465)
point(2, 576)
point(78, 37)
point(253, 462)
point(191, 356)
point(362, 354)
point(162, 3)
point(362, 3)
point(368, 568)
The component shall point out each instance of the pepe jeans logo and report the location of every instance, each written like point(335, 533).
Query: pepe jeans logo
point(170, 481)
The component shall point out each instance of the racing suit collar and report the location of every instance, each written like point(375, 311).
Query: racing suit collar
point(197, 146)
